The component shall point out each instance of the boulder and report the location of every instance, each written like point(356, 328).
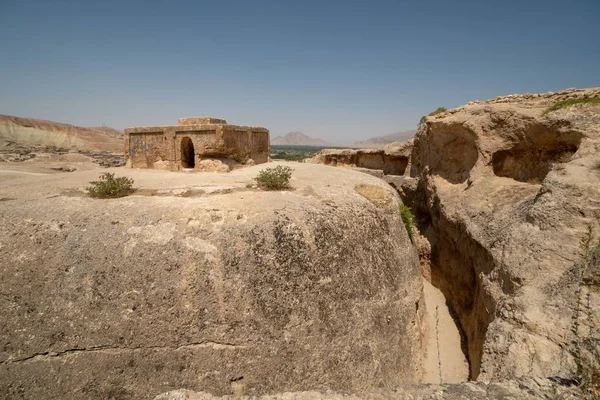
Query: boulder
point(212, 165)
point(237, 291)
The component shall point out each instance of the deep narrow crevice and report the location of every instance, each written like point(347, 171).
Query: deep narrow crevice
point(464, 340)
point(458, 263)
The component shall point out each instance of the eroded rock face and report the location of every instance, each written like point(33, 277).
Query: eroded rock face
point(392, 159)
point(509, 200)
point(226, 291)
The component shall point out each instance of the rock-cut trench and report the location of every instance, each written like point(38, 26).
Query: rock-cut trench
point(444, 360)
point(455, 315)
point(456, 260)
point(456, 305)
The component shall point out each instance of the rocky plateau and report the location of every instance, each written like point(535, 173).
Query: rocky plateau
point(199, 281)
point(202, 286)
point(507, 200)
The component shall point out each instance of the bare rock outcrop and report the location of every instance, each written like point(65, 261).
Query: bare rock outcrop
point(522, 389)
point(228, 290)
point(392, 159)
point(219, 287)
point(509, 198)
point(212, 166)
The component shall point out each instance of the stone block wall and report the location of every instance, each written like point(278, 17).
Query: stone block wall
point(183, 146)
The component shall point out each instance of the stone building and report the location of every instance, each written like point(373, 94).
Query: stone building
point(186, 145)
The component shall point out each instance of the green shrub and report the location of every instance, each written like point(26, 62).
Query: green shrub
point(109, 187)
point(299, 157)
point(436, 111)
point(409, 220)
point(276, 178)
point(571, 102)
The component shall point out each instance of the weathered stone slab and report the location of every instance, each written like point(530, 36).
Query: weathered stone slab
point(201, 121)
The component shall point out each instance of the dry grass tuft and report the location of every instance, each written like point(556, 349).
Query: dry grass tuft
point(375, 194)
point(571, 102)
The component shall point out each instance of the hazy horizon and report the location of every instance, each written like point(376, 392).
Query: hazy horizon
point(340, 71)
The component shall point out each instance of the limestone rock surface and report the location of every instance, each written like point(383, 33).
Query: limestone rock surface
point(198, 281)
point(521, 389)
point(212, 166)
point(392, 159)
point(509, 198)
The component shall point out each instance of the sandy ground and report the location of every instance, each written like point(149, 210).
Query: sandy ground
point(305, 180)
point(48, 163)
point(444, 362)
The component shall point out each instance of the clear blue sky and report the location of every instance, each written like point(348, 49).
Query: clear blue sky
point(338, 70)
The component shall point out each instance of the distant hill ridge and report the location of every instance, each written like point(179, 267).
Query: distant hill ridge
point(387, 139)
point(298, 139)
point(31, 131)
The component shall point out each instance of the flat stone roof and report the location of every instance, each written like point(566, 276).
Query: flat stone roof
point(201, 121)
point(195, 124)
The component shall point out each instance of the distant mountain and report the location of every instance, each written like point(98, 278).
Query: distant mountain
point(298, 139)
point(387, 139)
point(30, 131)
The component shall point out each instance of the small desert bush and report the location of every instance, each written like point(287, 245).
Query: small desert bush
point(571, 102)
point(534, 181)
point(436, 111)
point(109, 187)
point(409, 220)
point(276, 178)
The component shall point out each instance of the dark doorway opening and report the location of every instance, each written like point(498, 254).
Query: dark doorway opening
point(187, 153)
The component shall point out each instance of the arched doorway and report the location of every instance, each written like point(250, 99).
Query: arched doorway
point(187, 153)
